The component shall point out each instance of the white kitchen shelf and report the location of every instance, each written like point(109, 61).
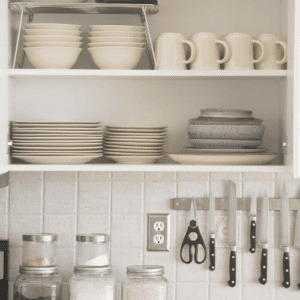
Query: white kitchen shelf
point(145, 74)
point(146, 168)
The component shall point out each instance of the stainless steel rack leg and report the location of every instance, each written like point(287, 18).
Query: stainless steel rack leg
point(148, 37)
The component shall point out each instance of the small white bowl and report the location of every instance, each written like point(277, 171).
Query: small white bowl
point(102, 39)
point(52, 32)
point(116, 28)
point(52, 38)
point(53, 57)
point(52, 44)
point(113, 44)
point(118, 33)
point(53, 26)
point(116, 58)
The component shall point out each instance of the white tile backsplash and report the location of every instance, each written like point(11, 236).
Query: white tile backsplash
point(118, 202)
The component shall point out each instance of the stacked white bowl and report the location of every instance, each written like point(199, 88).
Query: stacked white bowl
point(53, 46)
point(117, 47)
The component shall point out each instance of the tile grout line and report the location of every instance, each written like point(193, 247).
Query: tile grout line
point(176, 217)
point(144, 216)
point(76, 200)
point(43, 201)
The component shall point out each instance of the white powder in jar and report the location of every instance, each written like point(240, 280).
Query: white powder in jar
point(102, 260)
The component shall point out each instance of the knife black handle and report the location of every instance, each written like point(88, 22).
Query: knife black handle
point(212, 253)
point(232, 269)
point(299, 286)
point(286, 270)
point(263, 266)
point(253, 236)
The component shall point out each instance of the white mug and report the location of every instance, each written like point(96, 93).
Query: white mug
point(170, 51)
point(242, 55)
point(208, 53)
point(273, 54)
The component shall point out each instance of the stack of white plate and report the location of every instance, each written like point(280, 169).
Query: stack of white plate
point(56, 1)
point(53, 46)
point(57, 142)
point(134, 144)
point(117, 47)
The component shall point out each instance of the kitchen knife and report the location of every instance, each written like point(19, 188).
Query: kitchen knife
point(284, 236)
point(232, 232)
point(212, 231)
point(297, 233)
point(253, 224)
point(263, 239)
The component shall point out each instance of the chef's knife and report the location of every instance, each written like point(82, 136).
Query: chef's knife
point(212, 234)
point(263, 239)
point(232, 232)
point(297, 233)
point(284, 236)
point(253, 224)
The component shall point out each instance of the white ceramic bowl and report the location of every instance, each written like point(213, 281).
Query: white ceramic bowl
point(113, 44)
point(116, 28)
point(116, 58)
point(225, 113)
point(118, 33)
point(53, 26)
point(52, 38)
point(103, 39)
point(52, 44)
point(53, 57)
point(52, 32)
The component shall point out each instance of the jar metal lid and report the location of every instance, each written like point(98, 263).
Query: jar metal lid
point(40, 237)
point(145, 270)
point(93, 238)
point(39, 270)
point(105, 270)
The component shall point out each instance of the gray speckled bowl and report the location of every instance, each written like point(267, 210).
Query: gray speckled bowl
point(232, 132)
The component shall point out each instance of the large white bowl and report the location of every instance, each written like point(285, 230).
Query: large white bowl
point(50, 38)
point(118, 33)
point(103, 39)
point(113, 44)
point(52, 44)
point(52, 32)
point(53, 57)
point(116, 28)
point(53, 26)
point(116, 58)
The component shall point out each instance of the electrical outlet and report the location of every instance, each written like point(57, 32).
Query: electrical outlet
point(158, 232)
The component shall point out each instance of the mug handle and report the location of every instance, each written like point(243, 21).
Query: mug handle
point(262, 51)
point(227, 52)
point(284, 46)
point(193, 51)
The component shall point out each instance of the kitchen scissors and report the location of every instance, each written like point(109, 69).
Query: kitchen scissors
point(192, 238)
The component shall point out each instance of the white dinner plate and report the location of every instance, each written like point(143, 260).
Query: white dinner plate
point(120, 147)
point(142, 130)
point(56, 135)
point(109, 132)
point(123, 153)
point(136, 127)
point(134, 140)
point(138, 160)
point(57, 138)
point(57, 144)
point(201, 150)
point(56, 131)
point(129, 138)
point(57, 128)
point(56, 123)
point(50, 153)
point(54, 148)
point(61, 160)
point(132, 144)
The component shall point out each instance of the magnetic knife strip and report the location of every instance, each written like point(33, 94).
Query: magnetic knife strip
point(222, 204)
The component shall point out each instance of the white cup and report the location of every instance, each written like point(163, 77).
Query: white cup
point(241, 46)
point(274, 57)
point(208, 53)
point(170, 51)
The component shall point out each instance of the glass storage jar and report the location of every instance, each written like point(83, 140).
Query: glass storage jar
point(39, 249)
point(36, 283)
point(92, 283)
point(145, 282)
point(92, 250)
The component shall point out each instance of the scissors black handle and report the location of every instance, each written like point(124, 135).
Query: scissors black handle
point(187, 241)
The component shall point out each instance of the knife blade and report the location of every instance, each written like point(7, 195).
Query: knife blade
point(212, 231)
point(284, 236)
point(297, 233)
point(263, 239)
point(232, 232)
point(252, 248)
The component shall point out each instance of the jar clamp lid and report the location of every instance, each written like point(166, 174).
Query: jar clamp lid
point(40, 237)
point(146, 270)
point(39, 270)
point(93, 238)
point(105, 270)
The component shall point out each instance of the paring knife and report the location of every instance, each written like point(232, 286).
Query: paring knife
point(263, 239)
point(212, 231)
point(297, 233)
point(284, 236)
point(232, 232)
point(253, 224)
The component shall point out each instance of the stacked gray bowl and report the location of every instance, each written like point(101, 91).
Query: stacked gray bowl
point(225, 131)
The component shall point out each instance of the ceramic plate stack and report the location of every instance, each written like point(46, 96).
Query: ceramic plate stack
point(117, 47)
point(53, 46)
point(57, 142)
point(134, 144)
point(55, 1)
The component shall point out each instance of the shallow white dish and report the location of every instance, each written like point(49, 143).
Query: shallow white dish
point(57, 128)
point(117, 44)
point(133, 144)
point(53, 44)
point(223, 159)
point(120, 39)
point(124, 148)
point(222, 144)
point(121, 127)
point(134, 140)
point(56, 153)
point(56, 123)
point(136, 135)
point(118, 33)
point(55, 148)
point(201, 150)
point(138, 160)
point(53, 32)
point(116, 28)
point(27, 135)
point(136, 130)
point(56, 159)
point(53, 26)
point(52, 38)
point(46, 143)
point(111, 153)
point(57, 138)
point(228, 113)
point(57, 131)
